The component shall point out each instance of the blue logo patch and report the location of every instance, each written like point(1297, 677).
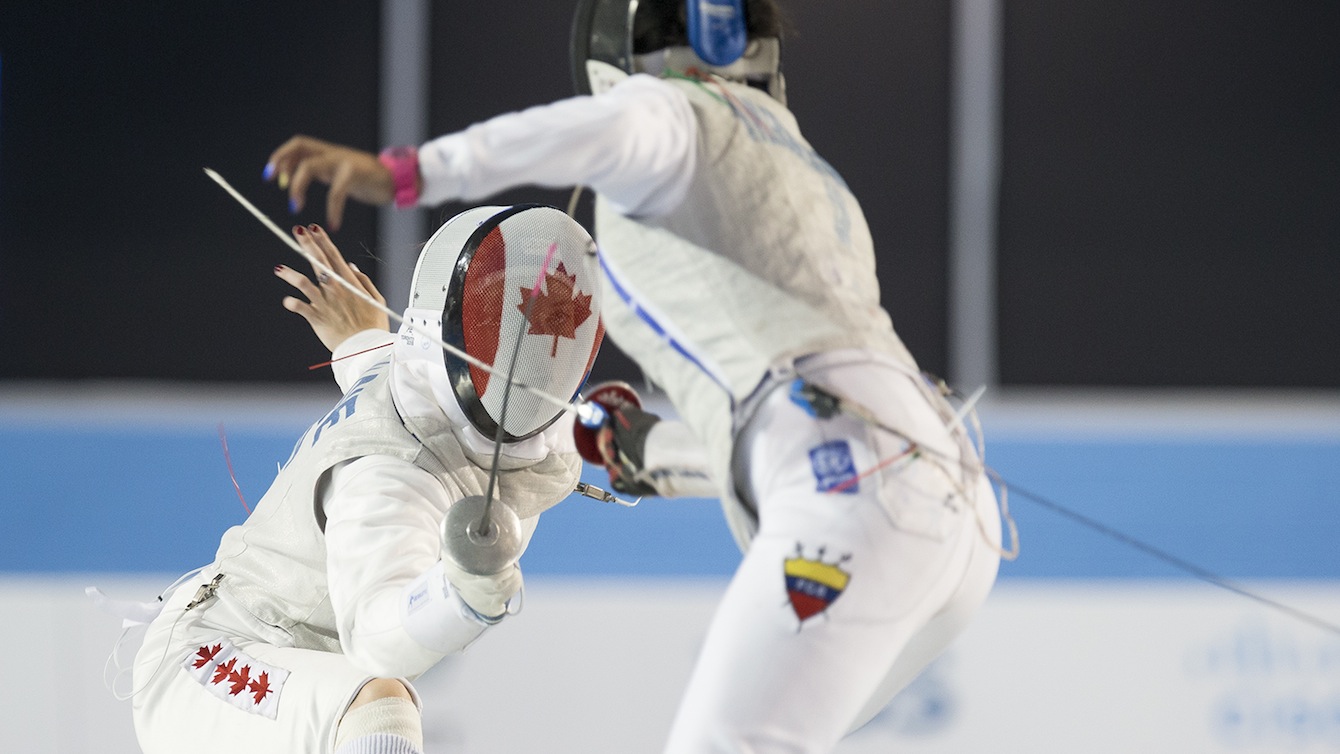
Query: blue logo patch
point(834, 468)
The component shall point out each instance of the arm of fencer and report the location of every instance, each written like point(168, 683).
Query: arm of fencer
point(636, 145)
point(396, 613)
point(353, 356)
point(676, 462)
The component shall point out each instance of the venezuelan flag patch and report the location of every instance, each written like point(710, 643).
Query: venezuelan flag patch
point(813, 585)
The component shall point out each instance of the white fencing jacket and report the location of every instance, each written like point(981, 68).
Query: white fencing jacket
point(354, 516)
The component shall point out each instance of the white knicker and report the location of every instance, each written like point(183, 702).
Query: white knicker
point(853, 584)
point(207, 685)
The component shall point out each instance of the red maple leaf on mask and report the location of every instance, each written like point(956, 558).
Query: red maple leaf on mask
point(559, 309)
point(221, 672)
point(239, 679)
point(259, 687)
point(205, 654)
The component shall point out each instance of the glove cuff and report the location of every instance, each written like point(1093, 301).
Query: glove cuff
point(435, 616)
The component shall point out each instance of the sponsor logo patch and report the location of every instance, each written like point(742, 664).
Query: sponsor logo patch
point(236, 677)
point(834, 468)
point(812, 585)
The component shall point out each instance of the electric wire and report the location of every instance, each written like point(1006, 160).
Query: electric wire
point(1166, 557)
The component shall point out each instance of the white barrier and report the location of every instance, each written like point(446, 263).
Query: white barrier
point(595, 666)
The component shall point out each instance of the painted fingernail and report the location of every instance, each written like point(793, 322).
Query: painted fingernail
point(314, 228)
point(297, 229)
point(279, 268)
point(283, 180)
point(293, 206)
point(269, 171)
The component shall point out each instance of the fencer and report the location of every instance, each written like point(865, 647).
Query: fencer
point(305, 631)
point(739, 272)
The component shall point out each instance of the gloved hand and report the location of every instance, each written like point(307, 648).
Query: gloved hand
point(619, 443)
point(622, 444)
point(486, 595)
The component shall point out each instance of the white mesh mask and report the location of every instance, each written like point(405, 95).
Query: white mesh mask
point(474, 286)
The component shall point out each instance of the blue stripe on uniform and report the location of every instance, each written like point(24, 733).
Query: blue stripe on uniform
point(626, 296)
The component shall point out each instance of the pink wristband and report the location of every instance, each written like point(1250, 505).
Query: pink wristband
point(403, 162)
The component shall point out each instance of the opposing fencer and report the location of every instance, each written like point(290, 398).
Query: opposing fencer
point(738, 271)
point(305, 631)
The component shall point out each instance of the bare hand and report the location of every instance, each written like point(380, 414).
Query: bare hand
point(348, 172)
point(333, 311)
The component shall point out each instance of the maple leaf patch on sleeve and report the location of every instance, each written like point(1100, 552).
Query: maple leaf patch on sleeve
point(559, 309)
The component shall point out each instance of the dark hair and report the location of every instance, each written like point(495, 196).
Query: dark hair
point(661, 23)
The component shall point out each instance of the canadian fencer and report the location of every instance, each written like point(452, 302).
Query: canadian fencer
point(306, 630)
point(739, 273)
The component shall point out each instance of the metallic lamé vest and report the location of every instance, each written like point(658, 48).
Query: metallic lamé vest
point(767, 259)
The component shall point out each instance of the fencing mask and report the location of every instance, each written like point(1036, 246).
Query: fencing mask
point(475, 287)
point(612, 39)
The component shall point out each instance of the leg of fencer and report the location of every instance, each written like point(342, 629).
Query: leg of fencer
point(932, 639)
point(382, 719)
point(764, 684)
point(773, 677)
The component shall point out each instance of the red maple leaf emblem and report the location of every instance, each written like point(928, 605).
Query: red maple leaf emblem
point(239, 679)
point(260, 687)
point(222, 671)
point(205, 654)
point(559, 310)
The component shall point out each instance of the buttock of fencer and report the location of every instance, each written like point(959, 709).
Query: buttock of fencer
point(178, 629)
point(924, 477)
point(207, 682)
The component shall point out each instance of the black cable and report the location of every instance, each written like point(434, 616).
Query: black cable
point(1179, 563)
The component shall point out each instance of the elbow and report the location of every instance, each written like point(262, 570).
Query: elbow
point(405, 659)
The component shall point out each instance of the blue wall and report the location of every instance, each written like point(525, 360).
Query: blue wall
point(156, 498)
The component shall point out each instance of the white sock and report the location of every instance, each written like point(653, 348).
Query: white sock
point(386, 726)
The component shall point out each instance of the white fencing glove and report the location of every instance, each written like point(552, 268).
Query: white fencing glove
point(486, 595)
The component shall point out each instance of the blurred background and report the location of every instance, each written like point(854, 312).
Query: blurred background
point(1122, 218)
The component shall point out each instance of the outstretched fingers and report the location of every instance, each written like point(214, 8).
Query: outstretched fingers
point(317, 243)
point(284, 160)
point(303, 285)
point(337, 195)
point(366, 284)
point(334, 312)
point(301, 282)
